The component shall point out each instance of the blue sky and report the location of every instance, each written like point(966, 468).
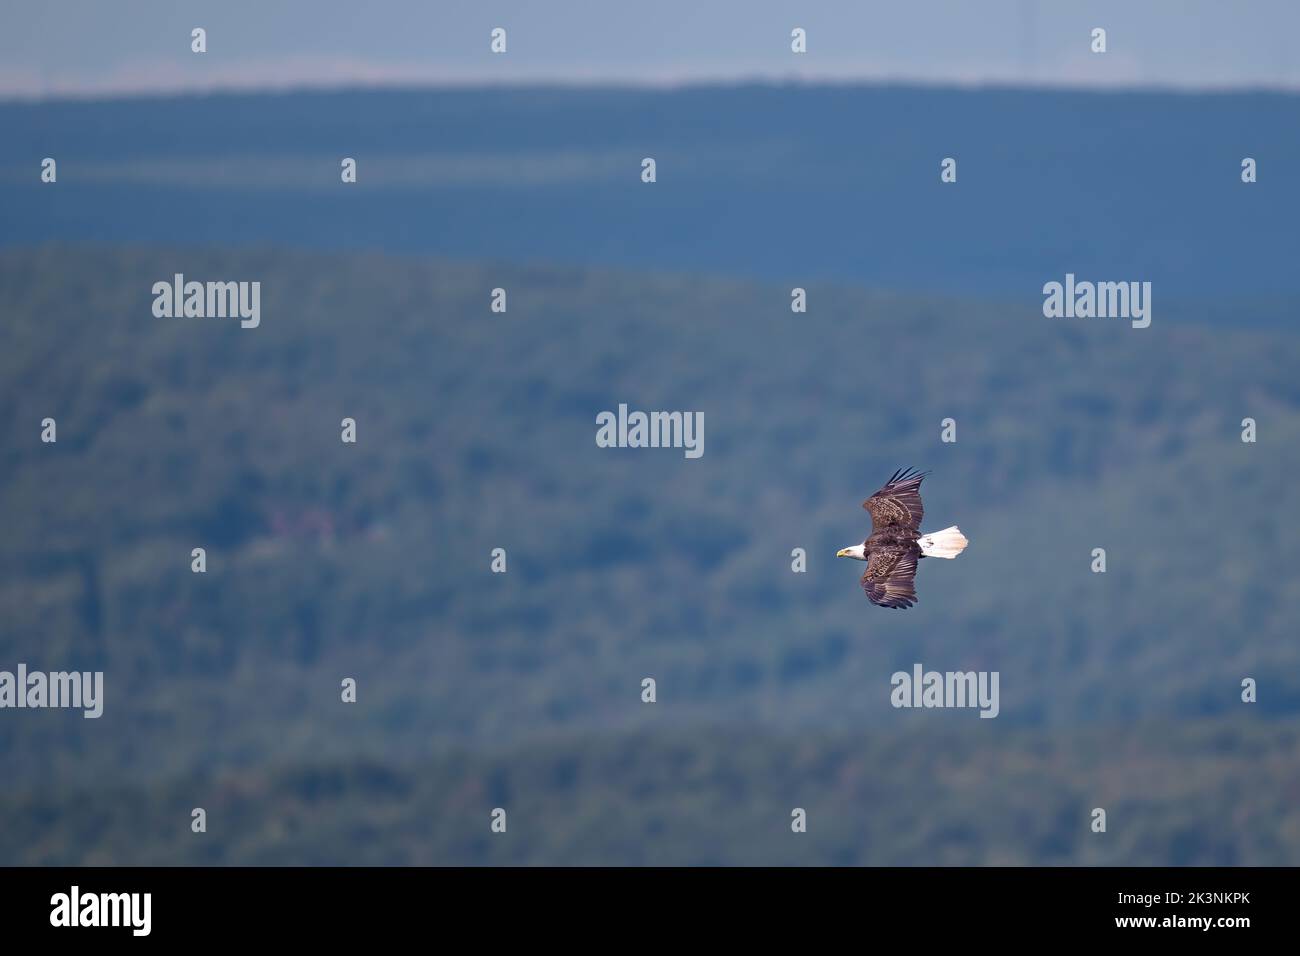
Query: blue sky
point(96, 47)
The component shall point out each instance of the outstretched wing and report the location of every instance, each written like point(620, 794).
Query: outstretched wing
point(899, 502)
point(890, 578)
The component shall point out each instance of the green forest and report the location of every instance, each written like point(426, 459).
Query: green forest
point(476, 430)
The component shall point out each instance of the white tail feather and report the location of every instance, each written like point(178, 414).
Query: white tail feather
point(947, 543)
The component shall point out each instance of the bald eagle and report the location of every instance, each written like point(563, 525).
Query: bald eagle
point(896, 541)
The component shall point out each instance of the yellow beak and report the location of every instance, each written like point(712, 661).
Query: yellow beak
point(842, 553)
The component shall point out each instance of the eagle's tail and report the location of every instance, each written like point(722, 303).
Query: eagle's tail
point(947, 543)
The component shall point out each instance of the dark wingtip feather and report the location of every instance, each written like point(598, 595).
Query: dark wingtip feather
point(905, 475)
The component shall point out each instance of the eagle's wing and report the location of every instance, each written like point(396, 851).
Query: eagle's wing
point(890, 578)
point(899, 502)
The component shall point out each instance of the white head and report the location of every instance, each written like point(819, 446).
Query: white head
point(858, 551)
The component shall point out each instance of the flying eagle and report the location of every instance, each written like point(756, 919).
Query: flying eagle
point(896, 542)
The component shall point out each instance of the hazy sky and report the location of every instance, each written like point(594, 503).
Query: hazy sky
point(112, 46)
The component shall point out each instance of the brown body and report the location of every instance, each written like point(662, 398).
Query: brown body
point(892, 551)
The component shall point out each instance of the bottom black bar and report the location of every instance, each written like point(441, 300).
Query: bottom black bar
point(331, 906)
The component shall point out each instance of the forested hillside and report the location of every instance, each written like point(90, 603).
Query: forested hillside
point(799, 181)
point(476, 431)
